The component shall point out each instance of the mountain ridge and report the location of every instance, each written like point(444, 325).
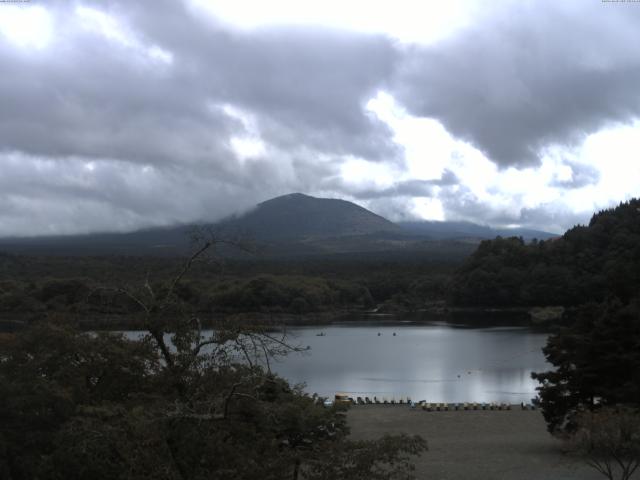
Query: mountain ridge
point(295, 224)
point(300, 216)
point(437, 229)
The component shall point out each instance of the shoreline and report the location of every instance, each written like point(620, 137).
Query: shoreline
point(463, 316)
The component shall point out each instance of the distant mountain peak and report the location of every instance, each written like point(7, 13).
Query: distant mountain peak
point(289, 224)
point(300, 216)
point(287, 196)
point(295, 195)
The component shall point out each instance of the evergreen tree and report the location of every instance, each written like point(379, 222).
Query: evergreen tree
point(597, 363)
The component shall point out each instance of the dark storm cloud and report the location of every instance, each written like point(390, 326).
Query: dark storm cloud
point(113, 131)
point(159, 131)
point(70, 195)
point(307, 89)
point(307, 85)
point(93, 97)
point(535, 74)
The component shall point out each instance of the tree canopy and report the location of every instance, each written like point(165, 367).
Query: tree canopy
point(597, 363)
point(588, 262)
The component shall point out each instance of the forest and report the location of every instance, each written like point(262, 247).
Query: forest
point(592, 262)
point(591, 395)
point(596, 261)
point(86, 288)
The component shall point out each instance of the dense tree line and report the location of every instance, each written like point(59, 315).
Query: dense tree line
point(588, 262)
point(221, 294)
point(262, 293)
point(31, 286)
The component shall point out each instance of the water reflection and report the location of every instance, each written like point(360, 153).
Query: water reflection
point(437, 363)
point(432, 362)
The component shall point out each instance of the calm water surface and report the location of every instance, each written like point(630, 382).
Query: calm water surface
point(437, 363)
point(433, 362)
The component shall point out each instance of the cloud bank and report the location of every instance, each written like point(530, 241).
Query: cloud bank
point(152, 113)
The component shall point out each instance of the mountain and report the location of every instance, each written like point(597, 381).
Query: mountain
point(301, 217)
point(458, 230)
point(294, 224)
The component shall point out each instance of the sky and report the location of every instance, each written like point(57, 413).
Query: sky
point(119, 115)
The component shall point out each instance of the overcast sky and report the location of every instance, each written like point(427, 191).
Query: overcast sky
point(116, 115)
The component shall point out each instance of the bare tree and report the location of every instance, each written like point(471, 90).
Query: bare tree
point(176, 329)
point(609, 439)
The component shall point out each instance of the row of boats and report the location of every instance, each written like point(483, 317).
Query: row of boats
point(343, 398)
point(430, 407)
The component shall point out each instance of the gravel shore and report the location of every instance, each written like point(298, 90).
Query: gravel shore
point(469, 445)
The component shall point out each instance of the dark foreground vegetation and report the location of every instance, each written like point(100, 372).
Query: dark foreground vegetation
point(175, 404)
point(597, 360)
point(81, 406)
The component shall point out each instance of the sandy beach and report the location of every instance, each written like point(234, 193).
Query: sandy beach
point(477, 444)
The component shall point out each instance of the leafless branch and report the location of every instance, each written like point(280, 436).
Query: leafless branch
point(131, 296)
point(184, 270)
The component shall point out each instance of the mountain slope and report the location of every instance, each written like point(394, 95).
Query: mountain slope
point(437, 230)
point(293, 224)
point(302, 217)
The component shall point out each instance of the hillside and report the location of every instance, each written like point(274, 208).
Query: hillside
point(297, 216)
point(438, 230)
point(289, 225)
point(587, 263)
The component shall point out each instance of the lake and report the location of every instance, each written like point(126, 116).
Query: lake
point(436, 362)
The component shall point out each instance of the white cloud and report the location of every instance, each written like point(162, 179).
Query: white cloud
point(615, 154)
point(248, 147)
point(411, 21)
point(611, 157)
point(100, 22)
point(26, 25)
point(427, 145)
point(428, 209)
point(362, 174)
